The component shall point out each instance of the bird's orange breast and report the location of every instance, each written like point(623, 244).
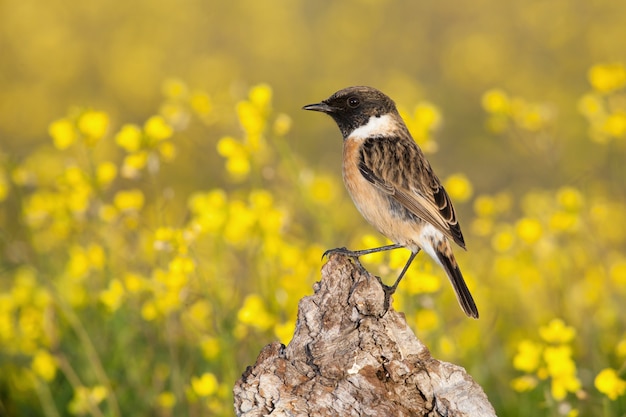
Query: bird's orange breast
point(372, 203)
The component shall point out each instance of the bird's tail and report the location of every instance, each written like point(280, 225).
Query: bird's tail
point(456, 278)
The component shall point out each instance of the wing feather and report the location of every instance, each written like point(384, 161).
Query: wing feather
point(410, 181)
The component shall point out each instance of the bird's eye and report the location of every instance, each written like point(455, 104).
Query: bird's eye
point(353, 102)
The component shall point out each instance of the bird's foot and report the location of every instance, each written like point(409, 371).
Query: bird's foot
point(354, 255)
point(389, 291)
point(342, 251)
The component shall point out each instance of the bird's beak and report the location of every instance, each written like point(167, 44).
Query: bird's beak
point(323, 107)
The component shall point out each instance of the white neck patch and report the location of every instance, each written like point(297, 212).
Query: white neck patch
point(376, 126)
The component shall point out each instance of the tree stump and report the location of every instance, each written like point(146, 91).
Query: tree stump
point(349, 356)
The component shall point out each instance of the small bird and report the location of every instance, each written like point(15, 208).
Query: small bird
point(393, 185)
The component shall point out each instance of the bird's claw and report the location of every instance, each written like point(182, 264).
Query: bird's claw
point(342, 251)
point(389, 291)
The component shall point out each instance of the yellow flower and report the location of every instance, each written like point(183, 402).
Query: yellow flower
point(422, 282)
point(209, 209)
point(4, 185)
point(261, 95)
point(77, 200)
point(426, 320)
point(182, 264)
point(149, 311)
point(164, 234)
point(129, 138)
point(590, 105)
point(78, 265)
point(484, 206)
point(558, 360)
point(261, 200)
point(563, 221)
point(524, 383)
point(529, 230)
point(503, 240)
point(166, 400)
point(63, 133)
point(447, 346)
point(323, 189)
point(95, 254)
point(251, 119)
point(106, 173)
point(237, 162)
point(618, 272)
point(113, 296)
point(99, 393)
point(201, 103)
point(398, 258)
point(164, 238)
point(204, 385)
point(560, 386)
point(240, 220)
point(167, 151)
point(532, 117)
point(229, 146)
point(528, 356)
point(238, 166)
point(615, 124)
point(133, 163)
point(570, 198)
point(210, 347)
point(74, 176)
point(130, 200)
point(562, 370)
point(157, 128)
point(606, 78)
point(133, 283)
point(198, 315)
point(107, 213)
point(174, 88)
point(458, 187)
point(557, 332)
point(610, 384)
point(23, 287)
point(44, 365)
point(496, 101)
point(94, 125)
point(85, 398)
point(171, 299)
point(284, 331)
point(254, 313)
point(174, 114)
point(282, 124)
point(425, 119)
point(427, 115)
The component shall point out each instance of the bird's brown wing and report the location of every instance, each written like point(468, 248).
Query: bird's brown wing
point(397, 167)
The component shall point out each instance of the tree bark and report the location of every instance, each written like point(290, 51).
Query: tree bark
point(350, 356)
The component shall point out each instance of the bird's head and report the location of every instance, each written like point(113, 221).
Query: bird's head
point(353, 107)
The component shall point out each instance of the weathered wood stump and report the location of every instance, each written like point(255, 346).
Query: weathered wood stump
point(351, 357)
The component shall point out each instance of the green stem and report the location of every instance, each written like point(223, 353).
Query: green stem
point(45, 398)
point(92, 355)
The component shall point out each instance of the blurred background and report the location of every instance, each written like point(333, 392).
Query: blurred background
point(164, 202)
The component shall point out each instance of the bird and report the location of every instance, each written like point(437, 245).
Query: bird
point(393, 185)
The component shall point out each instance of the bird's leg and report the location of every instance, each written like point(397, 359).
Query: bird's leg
point(357, 253)
point(408, 263)
point(389, 291)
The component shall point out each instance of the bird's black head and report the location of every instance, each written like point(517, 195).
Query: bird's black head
point(353, 107)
